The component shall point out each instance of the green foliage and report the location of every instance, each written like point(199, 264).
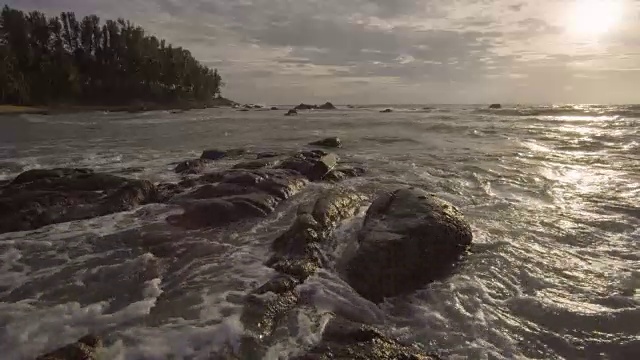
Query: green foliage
point(61, 59)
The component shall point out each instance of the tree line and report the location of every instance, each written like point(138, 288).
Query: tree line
point(45, 60)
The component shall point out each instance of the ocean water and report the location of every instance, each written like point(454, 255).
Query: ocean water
point(552, 194)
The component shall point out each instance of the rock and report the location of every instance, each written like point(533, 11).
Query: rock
point(221, 154)
point(240, 195)
point(274, 108)
point(386, 111)
point(247, 106)
point(305, 107)
point(298, 250)
point(257, 106)
point(340, 174)
point(332, 142)
point(409, 238)
point(314, 165)
point(258, 164)
point(38, 198)
point(345, 340)
point(195, 166)
point(86, 348)
point(266, 154)
point(291, 112)
point(327, 106)
point(495, 106)
point(244, 110)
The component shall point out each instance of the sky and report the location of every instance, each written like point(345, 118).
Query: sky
point(398, 51)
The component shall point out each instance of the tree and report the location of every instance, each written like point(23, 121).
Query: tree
point(62, 59)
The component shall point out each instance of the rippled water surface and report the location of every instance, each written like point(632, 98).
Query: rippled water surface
point(552, 193)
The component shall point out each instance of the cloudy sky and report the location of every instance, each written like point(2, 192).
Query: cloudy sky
point(399, 51)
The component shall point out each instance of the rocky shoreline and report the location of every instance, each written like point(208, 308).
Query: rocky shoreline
point(408, 239)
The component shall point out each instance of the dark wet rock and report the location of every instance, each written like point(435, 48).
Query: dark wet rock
point(315, 165)
point(305, 107)
point(386, 111)
point(194, 166)
point(262, 312)
point(291, 112)
point(86, 348)
point(297, 252)
point(274, 108)
point(41, 197)
point(267, 154)
point(409, 238)
point(332, 142)
point(239, 195)
point(340, 174)
point(495, 106)
point(257, 106)
point(327, 106)
point(221, 154)
point(243, 110)
point(258, 164)
point(345, 340)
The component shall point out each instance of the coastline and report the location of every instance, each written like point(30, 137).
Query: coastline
point(6, 109)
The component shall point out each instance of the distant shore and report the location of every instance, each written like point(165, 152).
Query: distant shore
point(134, 107)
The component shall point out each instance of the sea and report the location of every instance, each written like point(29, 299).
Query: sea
point(552, 194)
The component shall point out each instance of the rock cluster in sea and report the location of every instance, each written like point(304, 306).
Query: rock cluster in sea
point(408, 237)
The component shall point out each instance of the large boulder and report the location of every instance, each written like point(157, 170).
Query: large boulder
point(327, 106)
point(291, 112)
point(495, 106)
point(87, 348)
point(331, 142)
point(345, 340)
point(409, 238)
point(37, 198)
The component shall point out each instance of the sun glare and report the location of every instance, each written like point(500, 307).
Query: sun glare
point(594, 17)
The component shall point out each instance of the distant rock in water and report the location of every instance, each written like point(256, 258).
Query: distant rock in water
point(274, 108)
point(327, 106)
point(386, 111)
point(304, 106)
point(291, 112)
point(244, 110)
point(332, 142)
point(86, 348)
point(495, 106)
point(409, 238)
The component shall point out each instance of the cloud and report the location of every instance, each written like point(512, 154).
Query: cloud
point(287, 51)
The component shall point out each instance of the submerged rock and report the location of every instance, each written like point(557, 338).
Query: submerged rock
point(495, 106)
point(345, 340)
point(409, 238)
point(291, 112)
point(86, 348)
point(37, 198)
point(339, 174)
point(274, 108)
point(258, 164)
point(332, 142)
point(195, 166)
point(221, 154)
point(386, 111)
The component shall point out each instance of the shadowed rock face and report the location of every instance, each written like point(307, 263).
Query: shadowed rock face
point(344, 340)
point(314, 165)
point(38, 198)
point(85, 349)
point(409, 239)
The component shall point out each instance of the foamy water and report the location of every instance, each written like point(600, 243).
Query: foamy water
point(552, 194)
